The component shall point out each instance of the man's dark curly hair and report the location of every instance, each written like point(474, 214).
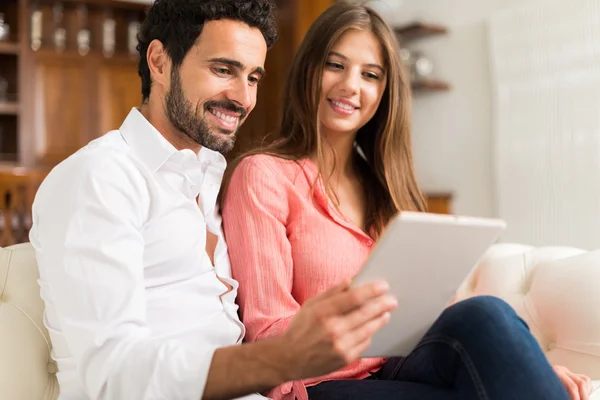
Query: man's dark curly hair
point(178, 24)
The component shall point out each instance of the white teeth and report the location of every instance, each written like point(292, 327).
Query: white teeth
point(343, 105)
point(227, 118)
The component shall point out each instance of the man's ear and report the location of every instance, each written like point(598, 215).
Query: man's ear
point(159, 64)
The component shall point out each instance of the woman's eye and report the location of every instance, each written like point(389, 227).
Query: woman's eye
point(371, 75)
point(334, 65)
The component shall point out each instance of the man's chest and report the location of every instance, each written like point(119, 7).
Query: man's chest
point(176, 241)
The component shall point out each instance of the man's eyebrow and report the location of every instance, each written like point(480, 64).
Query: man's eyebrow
point(236, 64)
point(343, 57)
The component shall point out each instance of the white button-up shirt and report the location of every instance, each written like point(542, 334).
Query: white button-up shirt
point(134, 306)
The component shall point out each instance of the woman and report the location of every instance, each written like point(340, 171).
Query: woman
point(302, 214)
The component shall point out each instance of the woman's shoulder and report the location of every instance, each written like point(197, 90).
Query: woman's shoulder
point(272, 165)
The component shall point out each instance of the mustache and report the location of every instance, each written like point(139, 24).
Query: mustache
point(226, 105)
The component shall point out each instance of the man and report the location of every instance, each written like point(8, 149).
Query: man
point(126, 232)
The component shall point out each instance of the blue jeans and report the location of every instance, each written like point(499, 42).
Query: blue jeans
point(477, 349)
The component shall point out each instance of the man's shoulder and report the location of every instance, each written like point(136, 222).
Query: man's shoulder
point(107, 157)
point(101, 177)
point(100, 156)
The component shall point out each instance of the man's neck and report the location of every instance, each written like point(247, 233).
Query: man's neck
point(154, 113)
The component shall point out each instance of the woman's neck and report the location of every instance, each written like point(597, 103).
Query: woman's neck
point(338, 157)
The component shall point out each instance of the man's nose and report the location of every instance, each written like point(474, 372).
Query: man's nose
point(241, 94)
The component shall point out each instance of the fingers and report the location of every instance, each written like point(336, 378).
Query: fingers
point(590, 386)
point(583, 384)
point(588, 383)
point(578, 386)
point(571, 386)
point(346, 301)
point(356, 342)
point(374, 308)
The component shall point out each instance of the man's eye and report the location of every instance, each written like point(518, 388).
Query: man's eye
point(254, 80)
point(222, 71)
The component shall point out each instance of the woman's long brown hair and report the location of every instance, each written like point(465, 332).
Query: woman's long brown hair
point(388, 172)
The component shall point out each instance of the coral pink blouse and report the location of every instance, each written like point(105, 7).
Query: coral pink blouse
point(286, 246)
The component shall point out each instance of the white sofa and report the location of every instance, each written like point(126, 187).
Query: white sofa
point(556, 290)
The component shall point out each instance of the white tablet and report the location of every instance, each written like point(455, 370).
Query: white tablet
point(424, 258)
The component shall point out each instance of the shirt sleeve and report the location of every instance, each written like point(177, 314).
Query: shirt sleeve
point(255, 212)
point(88, 221)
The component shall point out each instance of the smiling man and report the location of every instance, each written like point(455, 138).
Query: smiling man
point(134, 269)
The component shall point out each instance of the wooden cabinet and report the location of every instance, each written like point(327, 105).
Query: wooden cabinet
point(439, 203)
point(60, 96)
point(76, 99)
point(118, 86)
point(10, 63)
point(60, 106)
point(17, 189)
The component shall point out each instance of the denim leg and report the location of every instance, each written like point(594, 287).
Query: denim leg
point(484, 351)
point(370, 389)
point(478, 349)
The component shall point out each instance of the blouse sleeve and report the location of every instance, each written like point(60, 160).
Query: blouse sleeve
point(255, 212)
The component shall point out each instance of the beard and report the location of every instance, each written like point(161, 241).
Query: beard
point(186, 118)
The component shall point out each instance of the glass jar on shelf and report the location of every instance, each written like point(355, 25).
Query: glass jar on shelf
point(4, 29)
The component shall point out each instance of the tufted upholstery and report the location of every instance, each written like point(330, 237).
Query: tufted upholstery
point(555, 289)
point(27, 371)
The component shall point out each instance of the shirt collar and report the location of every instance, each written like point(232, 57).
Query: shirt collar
point(148, 144)
point(154, 150)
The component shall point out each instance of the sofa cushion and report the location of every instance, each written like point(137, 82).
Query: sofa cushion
point(555, 290)
point(27, 371)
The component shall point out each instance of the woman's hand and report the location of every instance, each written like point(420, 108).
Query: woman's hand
point(578, 386)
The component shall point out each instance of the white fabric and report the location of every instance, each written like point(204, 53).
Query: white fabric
point(132, 300)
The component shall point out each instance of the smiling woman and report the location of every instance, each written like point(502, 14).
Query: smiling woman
point(346, 95)
point(302, 215)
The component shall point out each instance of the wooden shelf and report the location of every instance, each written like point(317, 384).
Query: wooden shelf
point(9, 108)
point(437, 194)
point(9, 48)
point(439, 202)
point(49, 52)
point(430, 85)
point(417, 30)
point(8, 159)
point(115, 4)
